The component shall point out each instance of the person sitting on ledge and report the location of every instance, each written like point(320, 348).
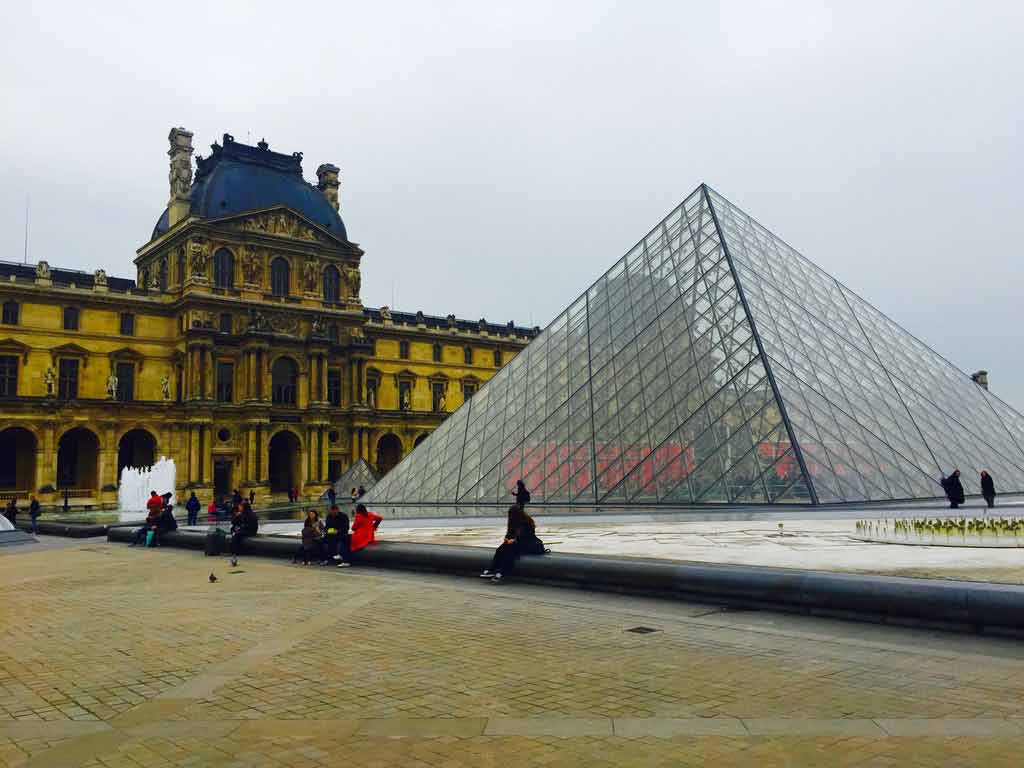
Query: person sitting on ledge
point(336, 538)
point(166, 522)
point(152, 523)
point(520, 539)
point(364, 528)
point(316, 531)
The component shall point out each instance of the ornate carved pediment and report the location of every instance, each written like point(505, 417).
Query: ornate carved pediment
point(14, 347)
point(70, 350)
point(284, 324)
point(280, 222)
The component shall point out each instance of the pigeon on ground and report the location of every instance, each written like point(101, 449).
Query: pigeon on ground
point(212, 578)
point(234, 562)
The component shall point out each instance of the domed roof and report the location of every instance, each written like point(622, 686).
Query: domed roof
point(236, 178)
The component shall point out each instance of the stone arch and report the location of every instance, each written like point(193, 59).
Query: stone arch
point(78, 450)
point(284, 460)
point(419, 439)
point(18, 451)
point(136, 447)
point(388, 453)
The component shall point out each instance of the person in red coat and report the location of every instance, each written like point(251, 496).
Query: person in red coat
point(154, 503)
point(364, 525)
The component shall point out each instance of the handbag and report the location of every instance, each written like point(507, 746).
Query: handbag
point(149, 538)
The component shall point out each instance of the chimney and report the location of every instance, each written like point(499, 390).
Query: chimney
point(328, 183)
point(181, 174)
point(980, 378)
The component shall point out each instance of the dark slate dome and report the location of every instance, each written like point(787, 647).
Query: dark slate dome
point(236, 178)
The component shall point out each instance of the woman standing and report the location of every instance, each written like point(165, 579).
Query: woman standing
point(988, 489)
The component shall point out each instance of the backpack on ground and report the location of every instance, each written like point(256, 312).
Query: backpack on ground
point(215, 542)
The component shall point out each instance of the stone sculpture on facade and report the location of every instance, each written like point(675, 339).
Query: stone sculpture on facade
point(354, 281)
point(112, 385)
point(310, 273)
point(165, 387)
point(199, 253)
point(385, 313)
point(250, 266)
point(50, 379)
point(100, 277)
point(257, 322)
point(43, 270)
point(406, 400)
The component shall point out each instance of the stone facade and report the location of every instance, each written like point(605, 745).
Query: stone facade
point(242, 351)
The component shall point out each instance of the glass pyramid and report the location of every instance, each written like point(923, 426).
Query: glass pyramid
point(713, 364)
point(359, 474)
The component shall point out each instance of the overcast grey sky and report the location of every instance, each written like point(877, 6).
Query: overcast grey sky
point(496, 158)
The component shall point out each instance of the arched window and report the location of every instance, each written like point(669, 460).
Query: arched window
point(332, 284)
point(284, 378)
point(223, 269)
point(279, 279)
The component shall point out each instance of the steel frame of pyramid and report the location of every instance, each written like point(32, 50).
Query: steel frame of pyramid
point(713, 364)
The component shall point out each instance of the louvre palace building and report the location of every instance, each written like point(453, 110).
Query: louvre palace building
point(242, 350)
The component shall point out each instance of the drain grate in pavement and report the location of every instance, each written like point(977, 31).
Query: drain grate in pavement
point(642, 630)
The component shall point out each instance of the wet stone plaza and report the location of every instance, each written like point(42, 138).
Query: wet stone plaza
point(113, 656)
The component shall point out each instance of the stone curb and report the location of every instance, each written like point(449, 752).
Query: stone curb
point(936, 603)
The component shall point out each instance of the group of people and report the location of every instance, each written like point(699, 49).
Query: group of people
point(159, 520)
point(955, 489)
point(11, 512)
point(329, 539)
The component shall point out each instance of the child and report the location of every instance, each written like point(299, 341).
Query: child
point(308, 541)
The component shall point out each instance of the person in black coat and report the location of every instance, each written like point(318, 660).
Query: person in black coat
point(192, 507)
point(988, 489)
point(336, 536)
point(954, 489)
point(520, 539)
point(12, 512)
point(522, 495)
point(166, 522)
point(33, 512)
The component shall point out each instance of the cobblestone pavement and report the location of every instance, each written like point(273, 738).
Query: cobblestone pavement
point(112, 656)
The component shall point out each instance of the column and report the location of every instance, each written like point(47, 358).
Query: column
point(322, 458)
point(362, 376)
point(353, 391)
point(261, 460)
point(366, 443)
point(353, 442)
point(250, 455)
point(323, 378)
point(193, 453)
point(208, 453)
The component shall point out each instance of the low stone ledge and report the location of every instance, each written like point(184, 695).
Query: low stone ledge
point(964, 605)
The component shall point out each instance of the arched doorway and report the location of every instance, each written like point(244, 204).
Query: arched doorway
point(284, 461)
point(77, 459)
point(420, 439)
point(389, 453)
point(136, 449)
point(17, 461)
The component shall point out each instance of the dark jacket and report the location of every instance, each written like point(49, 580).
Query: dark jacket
point(522, 496)
point(339, 523)
point(308, 537)
point(167, 521)
point(332, 496)
point(33, 509)
point(250, 523)
point(526, 539)
point(954, 489)
point(988, 488)
point(192, 505)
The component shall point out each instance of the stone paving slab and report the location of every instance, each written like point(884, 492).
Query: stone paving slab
point(111, 656)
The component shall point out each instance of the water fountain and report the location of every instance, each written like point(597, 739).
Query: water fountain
point(137, 482)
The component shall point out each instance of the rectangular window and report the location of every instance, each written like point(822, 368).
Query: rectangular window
point(467, 355)
point(70, 319)
point(10, 313)
point(127, 324)
point(333, 470)
point(334, 386)
point(497, 358)
point(225, 322)
point(437, 353)
point(437, 395)
point(67, 379)
point(125, 373)
point(468, 390)
point(225, 382)
point(8, 375)
point(403, 350)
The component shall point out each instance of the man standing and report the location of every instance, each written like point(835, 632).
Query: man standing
point(192, 507)
point(34, 512)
